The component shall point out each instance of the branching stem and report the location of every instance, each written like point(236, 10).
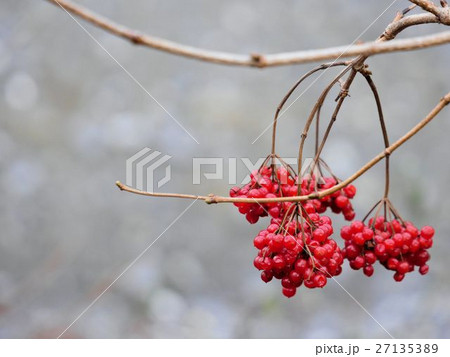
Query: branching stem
point(387, 151)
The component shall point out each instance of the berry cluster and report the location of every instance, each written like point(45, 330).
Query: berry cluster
point(298, 252)
point(297, 247)
point(398, 247)
point(338, 202)
point(265, 184)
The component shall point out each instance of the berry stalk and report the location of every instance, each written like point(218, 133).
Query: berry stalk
point(292, 90)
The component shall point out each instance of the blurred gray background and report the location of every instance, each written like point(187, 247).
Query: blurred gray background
point(70, 117)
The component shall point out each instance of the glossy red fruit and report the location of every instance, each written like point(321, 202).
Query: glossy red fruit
point(368, 270)
point(342, 201)
point(403, 268)
point(289, 292)
point(350, 191)
point(357, 227)
point(266, 276)
point(424, 269)
point(319, 235)
point(427, 232)
point(320, 280)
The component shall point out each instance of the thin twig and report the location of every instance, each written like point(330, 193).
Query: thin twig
point(340, 100)
point(388, 151)
point(267, 60)
point(383, 129)
point(313, 113)
point(398, 25)
point(292, 90)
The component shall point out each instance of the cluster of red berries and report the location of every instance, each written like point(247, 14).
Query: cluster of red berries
point(297, 247)
point(264, 183)
point(298, 253)
point(398, 247)
point(338, 202)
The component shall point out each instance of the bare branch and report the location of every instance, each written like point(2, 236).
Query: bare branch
point(442, 13)
point(402, 23)
point(386, 152)
point(269, 60)
point(427, 6)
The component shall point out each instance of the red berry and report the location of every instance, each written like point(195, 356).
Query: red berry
point(368, 270)
point(350, 215)
point(427, 232)
point(251, 218)
point(300, 266)
point(358, 239)
point(403, 267)
point(380, 249)
point(351, 252)
point(289, 292)
point(350, 191)
point(289, 242)
point(266, 276)
point(295, 278)
point(319, 252)
point(278, 262)
point(424, 269)
point(259, 242)
point(319, 235)
point(342, 201)
point(367, 234)
point(320, 280)
point(370, 257)
point(357, 227)
point(286, 283)
point(392, 264)
point(389, 244)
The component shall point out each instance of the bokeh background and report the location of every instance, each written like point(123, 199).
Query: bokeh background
point(70, 117)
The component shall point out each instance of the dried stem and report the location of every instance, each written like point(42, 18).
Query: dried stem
point(386, 152)
point(268, 60)
point(399, 23)
point(292, 90)
point(317, 133)
point(310, 119)
point(383, 129)
point(371, 210)
point(340, 100)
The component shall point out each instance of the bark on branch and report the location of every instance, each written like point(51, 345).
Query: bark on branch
point(442, 13)
point(271, 60)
